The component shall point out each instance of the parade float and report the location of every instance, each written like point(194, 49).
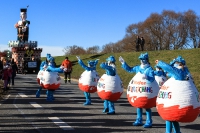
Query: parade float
point(25, 53)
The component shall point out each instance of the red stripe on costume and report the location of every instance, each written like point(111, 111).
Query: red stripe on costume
point(142, 102)
point(173, 113)
point(107, 95)
point(87, 88)
point(50, 86)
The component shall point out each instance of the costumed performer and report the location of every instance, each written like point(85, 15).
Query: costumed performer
point(51, 79)
point(178, 98)
point(88, 79)
point(160, 76)
point(142, 89)
point(43, 67)
point(109, 87)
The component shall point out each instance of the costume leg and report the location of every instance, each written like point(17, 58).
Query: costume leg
point(38, 92)
point(49, 96)
point(168, 126)
point(148, 123)
point(88, 99)
point(111, 108)
point(105, 104)
point(176, 127)
point(138, 121)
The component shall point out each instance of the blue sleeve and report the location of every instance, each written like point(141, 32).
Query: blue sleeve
point(109, 69)
point(129, 69)
point(83, 65)
point(150, 74)
point(51, 69)
point(178, 74)
point(96, 62)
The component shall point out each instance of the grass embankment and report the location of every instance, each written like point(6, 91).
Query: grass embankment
point(192, 57)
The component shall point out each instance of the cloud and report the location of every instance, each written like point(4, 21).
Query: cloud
point(54, 51)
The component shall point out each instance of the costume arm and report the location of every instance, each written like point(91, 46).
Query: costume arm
point(51, 69)
point(178, 74)
point(83, 65)
point(129, 69)
point(150, 74)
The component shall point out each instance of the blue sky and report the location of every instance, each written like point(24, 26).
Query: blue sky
point(56, 24)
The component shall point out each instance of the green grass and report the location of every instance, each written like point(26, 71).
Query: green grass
point(192, 57)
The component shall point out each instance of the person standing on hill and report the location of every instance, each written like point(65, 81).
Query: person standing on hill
point(142, 42)
point(67, 69)
point(137, 41)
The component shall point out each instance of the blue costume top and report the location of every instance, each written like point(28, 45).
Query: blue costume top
point(92, 65)
point(178, 74)
point(148, 71)
point(110, 70)
point(51, 66)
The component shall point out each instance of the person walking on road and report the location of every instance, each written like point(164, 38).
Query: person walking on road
point(14, 70)
point(67, 69)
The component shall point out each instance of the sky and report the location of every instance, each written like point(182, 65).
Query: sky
point(56, 24)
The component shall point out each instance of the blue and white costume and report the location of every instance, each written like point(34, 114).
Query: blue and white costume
point(142, 87)
point(177, 100)
point(88, 79)
point(110, 85)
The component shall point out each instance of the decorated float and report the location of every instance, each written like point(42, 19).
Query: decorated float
point(25, 53)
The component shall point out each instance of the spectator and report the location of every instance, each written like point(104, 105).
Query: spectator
point(67, 69)
point(5, 76)
point(14, 70)
point(142, 43)
point(138, 41)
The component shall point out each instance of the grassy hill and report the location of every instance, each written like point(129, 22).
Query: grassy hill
point(192, 57)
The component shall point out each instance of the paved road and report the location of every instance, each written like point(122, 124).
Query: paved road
point(22, 112)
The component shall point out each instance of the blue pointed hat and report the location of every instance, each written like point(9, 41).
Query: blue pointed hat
point(144, 56)
point(48, 56)
point(51, 59)
point(180, 60)
point(111, 59)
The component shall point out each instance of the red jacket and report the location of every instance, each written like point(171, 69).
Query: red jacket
point(67, 64)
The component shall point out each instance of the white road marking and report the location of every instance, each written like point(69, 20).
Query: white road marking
point(22, 95)
point(34, 104)
point(61, 123)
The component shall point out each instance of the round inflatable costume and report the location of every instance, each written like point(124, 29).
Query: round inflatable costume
point(50, 79)
point(142, 89)
point(160, 76)
point(43, 66)
point(88, 79)
point(178, 98)
point(109, 87)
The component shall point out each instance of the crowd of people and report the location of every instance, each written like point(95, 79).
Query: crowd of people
point(8, 70)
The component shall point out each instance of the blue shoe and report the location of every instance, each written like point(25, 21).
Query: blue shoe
point(148, 124)
point(138, 122)
point(105, 110)
point(88, 102)
point(111, 113)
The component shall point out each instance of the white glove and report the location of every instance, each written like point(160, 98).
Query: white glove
point(65, 69)
point(61, 67)
point(121, 60)
point(78, 57)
